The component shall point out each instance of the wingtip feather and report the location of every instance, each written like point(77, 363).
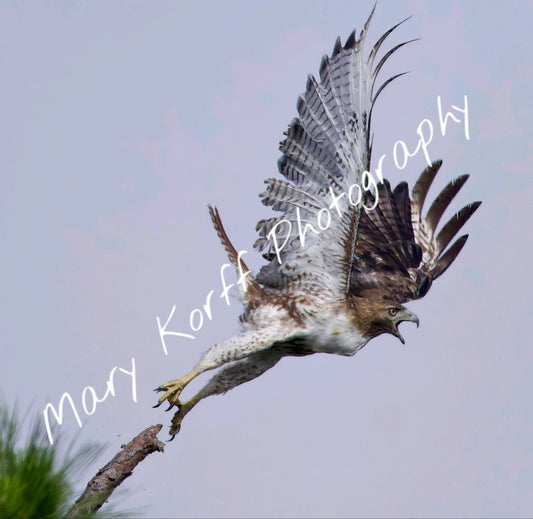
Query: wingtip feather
point(422, 185)
point(443, 200)
point(454, 224)
point(350, 41)
point(446, 259)
point(337, 47)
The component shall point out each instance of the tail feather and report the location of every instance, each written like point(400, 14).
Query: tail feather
point(252, 289)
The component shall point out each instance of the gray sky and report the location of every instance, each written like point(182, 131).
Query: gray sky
point(121, 121)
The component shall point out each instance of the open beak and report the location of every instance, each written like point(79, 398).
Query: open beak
point(404, 315)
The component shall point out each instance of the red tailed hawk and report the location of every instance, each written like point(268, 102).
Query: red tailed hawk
point(341, 259)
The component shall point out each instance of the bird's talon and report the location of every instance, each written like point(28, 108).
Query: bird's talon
point(172, 391)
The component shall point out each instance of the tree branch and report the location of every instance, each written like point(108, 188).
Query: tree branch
point(110, 476)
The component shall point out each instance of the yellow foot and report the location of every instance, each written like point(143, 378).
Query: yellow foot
point(172, 393)
point(172, 390)
point(183, 409)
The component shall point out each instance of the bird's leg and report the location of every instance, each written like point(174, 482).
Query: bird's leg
point(183, 409)
point(227, 378)
point(239, 347)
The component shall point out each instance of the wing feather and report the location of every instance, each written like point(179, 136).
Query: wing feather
point(399, 252)
point(325, 151)
point(455, 223)
point(443, 200)
point(449, 256)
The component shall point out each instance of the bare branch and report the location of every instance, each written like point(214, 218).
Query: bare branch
point(109, 477)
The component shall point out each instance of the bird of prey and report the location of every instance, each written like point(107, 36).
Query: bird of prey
point(344, 279)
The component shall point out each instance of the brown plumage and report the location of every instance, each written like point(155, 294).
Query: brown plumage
point(399, 252)
point(330, 287)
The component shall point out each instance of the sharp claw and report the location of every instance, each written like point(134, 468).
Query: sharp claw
point(157, 405)
point(157, 389)
point(169, 407)
point(176, 431)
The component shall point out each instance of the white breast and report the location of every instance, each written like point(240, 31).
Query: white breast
point(334, 333)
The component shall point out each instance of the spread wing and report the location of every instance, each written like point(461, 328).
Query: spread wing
point(399, 251)
point(326, 150)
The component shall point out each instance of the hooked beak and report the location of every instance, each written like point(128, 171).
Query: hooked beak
point(404, 315)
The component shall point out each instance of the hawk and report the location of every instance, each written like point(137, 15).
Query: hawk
point(344, 280)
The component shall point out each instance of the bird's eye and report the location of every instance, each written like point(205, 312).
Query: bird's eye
point(393, 311)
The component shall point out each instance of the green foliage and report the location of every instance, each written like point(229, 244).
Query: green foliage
point(34, 481)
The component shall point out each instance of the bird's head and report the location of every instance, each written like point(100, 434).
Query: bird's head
point(389, 317)
point(376, 318)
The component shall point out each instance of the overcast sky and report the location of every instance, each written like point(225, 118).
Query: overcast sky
point(121, 121)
